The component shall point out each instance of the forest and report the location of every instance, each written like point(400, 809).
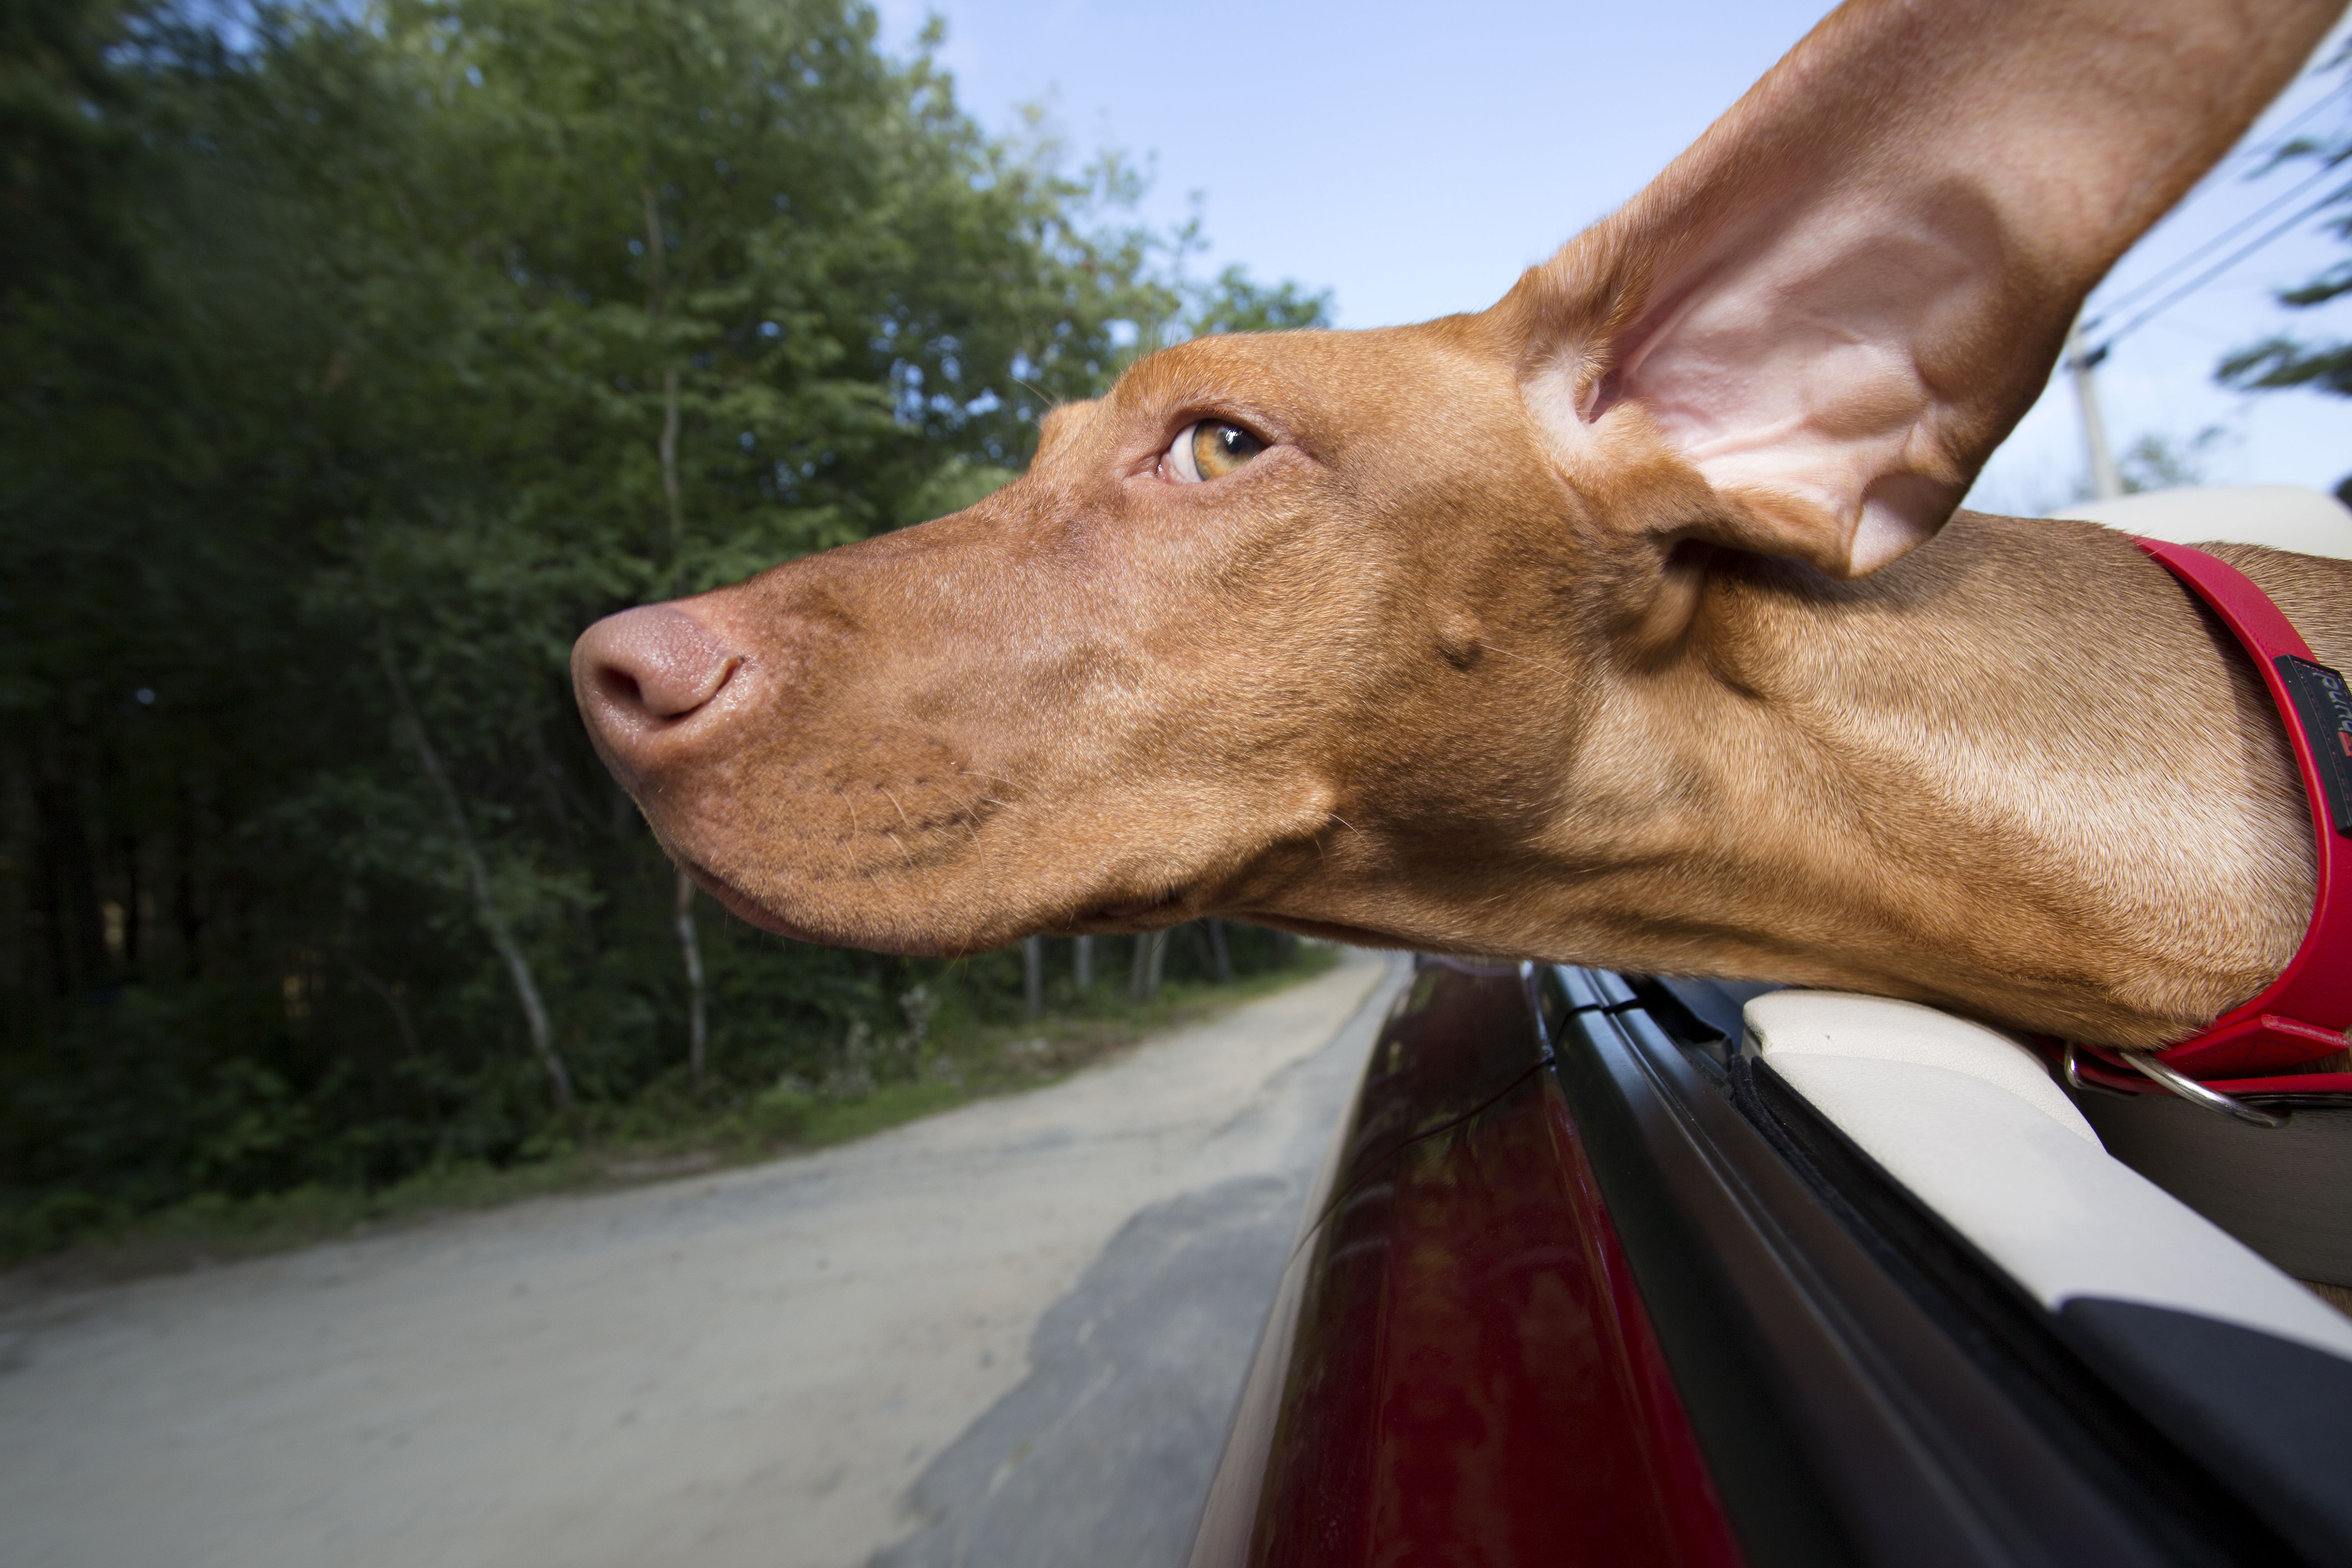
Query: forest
point(356, 357)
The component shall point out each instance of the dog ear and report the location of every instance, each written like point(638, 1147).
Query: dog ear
point(1835, 304)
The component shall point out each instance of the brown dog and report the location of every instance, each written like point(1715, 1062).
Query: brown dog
point(1621, 624)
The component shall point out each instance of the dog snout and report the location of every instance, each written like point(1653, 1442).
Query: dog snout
point(646, 670)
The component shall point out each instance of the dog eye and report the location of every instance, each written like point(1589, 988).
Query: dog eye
point(1208, 450)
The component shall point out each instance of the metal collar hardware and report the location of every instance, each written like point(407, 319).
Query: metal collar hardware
point(2181, 1084)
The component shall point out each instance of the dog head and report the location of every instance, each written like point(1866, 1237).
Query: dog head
point(1331, 630)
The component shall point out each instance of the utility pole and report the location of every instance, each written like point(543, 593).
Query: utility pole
point(2105, 482)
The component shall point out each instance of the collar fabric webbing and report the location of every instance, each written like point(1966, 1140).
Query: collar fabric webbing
point(2303, 1015)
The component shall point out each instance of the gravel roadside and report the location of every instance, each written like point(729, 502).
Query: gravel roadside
point(886, 1345)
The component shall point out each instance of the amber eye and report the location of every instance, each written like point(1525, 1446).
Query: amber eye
point(1208, 450)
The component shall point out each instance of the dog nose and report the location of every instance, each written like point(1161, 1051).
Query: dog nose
point(647, 664)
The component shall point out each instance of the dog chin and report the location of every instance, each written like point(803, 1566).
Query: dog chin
point(1132, 915)
point(1330, 930)
point(753, 912)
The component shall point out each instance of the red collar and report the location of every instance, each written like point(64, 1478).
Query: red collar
point(2304, 1012)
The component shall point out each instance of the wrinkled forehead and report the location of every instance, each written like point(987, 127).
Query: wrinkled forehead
point(1321, 389)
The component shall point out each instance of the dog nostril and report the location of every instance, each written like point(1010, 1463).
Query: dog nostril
point(618, 686)
point(652, 662)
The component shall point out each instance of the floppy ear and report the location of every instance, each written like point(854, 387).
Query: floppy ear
point(1835, 304)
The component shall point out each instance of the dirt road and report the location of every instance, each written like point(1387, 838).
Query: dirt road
point(1010, 1335)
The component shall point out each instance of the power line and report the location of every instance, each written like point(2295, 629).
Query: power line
point(2180, 264)
point(2278, 137)
point(2211, 273)
point(2269, 145)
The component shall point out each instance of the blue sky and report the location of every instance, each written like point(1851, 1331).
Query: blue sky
point(1413, 157)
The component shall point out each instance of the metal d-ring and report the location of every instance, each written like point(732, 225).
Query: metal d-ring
point(2188, 1088)
point(2081, 1085)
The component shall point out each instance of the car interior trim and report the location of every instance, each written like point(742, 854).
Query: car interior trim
point(1881, 1411)
point(2035, 1190)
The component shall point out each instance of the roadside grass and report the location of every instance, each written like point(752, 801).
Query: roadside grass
point(665, 1134)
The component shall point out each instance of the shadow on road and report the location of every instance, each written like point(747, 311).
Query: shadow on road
point(1104, 1453)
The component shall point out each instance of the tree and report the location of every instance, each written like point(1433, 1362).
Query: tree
point(355, 359)
point(1236, 303)
point(2157, 461)
point(2282, 360)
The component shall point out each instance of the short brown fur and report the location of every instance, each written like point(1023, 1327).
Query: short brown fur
point(1516, 638)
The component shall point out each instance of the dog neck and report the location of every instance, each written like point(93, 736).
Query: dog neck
point(2021, 774)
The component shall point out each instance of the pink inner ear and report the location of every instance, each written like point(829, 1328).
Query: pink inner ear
point(1795, 371)
point(1853, 285)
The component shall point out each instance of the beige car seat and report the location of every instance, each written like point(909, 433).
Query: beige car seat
point(2285, 516)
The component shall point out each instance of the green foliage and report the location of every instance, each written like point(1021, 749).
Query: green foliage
point(2157, 461)
point(664, 1130)
point(353, 359)
point(1235, 304)
point(2282, 360)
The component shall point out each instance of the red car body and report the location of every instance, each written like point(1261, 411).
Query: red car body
point(1583, 1285)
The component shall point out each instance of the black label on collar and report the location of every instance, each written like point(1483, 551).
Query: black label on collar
point(2324, 704)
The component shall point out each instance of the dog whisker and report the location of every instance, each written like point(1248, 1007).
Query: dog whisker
point(1505, 653)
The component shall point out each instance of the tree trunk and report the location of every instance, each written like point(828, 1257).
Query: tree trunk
point(134, 915)
point(668, 449)
point(656, 249)
point(477, 873)
point(1220, 955)
point(188, 914)
point(66, 871)
point(1033, 974)
point(1082, 963)
point(698, 1025)
point(398, 1006)
point(656, 301)
point(1150, 960)
point(389, 994)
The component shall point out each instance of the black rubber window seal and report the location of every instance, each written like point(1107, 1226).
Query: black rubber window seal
point(2135, 1490)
